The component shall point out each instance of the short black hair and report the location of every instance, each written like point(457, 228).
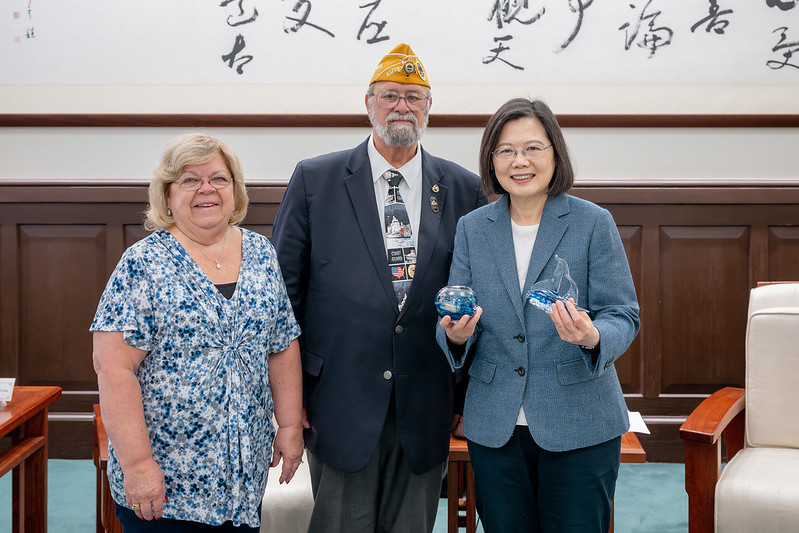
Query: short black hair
point(563, 177)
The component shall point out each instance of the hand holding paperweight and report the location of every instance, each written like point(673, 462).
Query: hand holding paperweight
point(560, 287)
point(456, 301)
point(544, 298)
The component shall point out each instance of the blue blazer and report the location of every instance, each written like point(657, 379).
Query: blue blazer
point(357, 348)
point(571, 398)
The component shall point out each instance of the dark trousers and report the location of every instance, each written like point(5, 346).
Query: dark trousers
point(133, 524)
point(384, 497)
point(523, 488)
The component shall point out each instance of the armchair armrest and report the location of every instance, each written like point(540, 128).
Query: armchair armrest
point(720, 414)
point(713, 417)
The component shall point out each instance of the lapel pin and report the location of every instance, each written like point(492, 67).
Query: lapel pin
point(434, 204)
point(435, 187)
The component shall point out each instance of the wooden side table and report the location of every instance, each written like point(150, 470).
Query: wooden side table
point(24, 418)
point(461, 511)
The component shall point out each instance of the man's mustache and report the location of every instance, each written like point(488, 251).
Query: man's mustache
point(402, 116)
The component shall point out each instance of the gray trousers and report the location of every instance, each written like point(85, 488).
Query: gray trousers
point(384, 497)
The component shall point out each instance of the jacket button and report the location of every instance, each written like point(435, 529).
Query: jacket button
point(519, 337)
point(520, 371)
point(398, 329)
point(387, 375)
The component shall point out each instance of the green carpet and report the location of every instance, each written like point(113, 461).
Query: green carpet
point(70, 497)
point(650, 498)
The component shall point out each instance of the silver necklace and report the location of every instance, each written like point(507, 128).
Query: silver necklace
point(224, 242)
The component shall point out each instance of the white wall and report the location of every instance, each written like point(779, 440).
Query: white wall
point(647, 155)
point(63, 58)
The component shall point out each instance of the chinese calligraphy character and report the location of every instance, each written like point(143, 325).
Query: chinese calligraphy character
point(239, 19)
point(506, 11)
point(789, 47)
point(712, 19)
point(376, 38)
point(652, 37)
point(783, 5)
point(580, 9)
point(303, 19)
point(498, 50)
point(29, 31)
point(231, 58)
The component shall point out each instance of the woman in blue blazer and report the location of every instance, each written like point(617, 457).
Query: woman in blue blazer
point(544, 410)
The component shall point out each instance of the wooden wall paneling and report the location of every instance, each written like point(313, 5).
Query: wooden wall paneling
point(694, 252)
point(650, 303)
point(69, 439)
point(770, 217)
point(783, 253)
point(9, 297)
point(758, 253)
point(704, 293)
point(264, 205)
point(62, 267)
point(132, 233)
point(663, 444)
point(114, 238)
point(630, 366)
point(263, 229)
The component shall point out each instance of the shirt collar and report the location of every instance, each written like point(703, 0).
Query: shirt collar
point(411, 171)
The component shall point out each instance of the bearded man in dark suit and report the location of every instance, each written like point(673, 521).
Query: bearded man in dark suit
point(364, 238)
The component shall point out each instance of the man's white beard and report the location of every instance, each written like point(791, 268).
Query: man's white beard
point(398, 135)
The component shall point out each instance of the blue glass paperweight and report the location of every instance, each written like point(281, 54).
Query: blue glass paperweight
point(544, 298)
point(456, 301)
point(560, 287)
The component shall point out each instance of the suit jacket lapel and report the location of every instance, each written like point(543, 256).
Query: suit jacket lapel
point(554, 224)
point(360, 186)
point(500, 240)
point(433, 196)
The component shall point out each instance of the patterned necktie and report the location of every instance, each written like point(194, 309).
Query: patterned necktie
point(399, 238)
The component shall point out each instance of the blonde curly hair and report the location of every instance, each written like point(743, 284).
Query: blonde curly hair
point(192, 149)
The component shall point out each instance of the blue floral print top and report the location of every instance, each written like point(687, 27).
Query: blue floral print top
point(205, 382)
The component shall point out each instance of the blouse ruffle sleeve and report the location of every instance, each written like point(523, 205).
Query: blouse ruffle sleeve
point(126, 303)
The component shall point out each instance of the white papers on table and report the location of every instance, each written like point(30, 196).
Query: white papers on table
point(637, 423)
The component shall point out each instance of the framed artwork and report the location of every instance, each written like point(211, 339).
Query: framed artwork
point(307, 62)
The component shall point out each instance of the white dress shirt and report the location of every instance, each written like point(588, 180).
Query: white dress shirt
point(410, 187)
point(523, 241)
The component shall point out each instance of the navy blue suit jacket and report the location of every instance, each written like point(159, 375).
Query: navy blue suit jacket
point(356, 346)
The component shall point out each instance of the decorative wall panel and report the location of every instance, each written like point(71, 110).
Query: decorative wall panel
point(694, 253)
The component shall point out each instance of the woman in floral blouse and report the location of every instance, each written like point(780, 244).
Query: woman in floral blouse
point(195, 348)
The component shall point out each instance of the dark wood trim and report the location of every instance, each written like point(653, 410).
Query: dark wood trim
point(643, 194)
point(80, 193)
point(638, 193)
point(198, 120)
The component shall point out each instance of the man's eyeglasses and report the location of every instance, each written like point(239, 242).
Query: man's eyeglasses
point(389, 99)
point(192, 184)
point(532, 152)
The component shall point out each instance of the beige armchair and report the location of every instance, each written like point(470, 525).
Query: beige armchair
point(758, 490)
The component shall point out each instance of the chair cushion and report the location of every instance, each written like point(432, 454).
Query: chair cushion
point(287, 508)
point(758, 491)
point(772, 364)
